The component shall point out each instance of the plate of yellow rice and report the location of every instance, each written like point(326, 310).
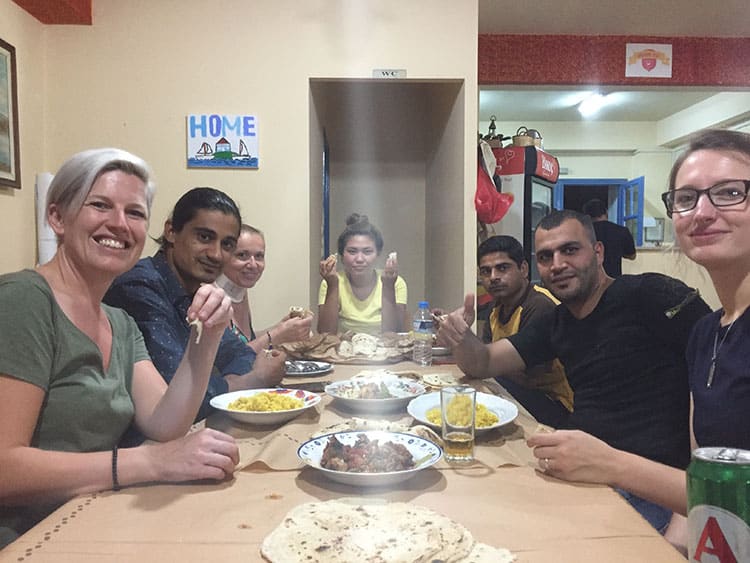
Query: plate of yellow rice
point(492, 411)
point(265, 406)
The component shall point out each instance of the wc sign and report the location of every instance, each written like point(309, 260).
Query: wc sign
point(222, 141)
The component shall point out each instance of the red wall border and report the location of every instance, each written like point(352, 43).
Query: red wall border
point(597, 59)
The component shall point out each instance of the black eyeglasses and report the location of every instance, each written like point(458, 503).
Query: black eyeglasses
point(723, 194)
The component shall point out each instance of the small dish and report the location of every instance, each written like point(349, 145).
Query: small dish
point(221, 403)
point(306, 368)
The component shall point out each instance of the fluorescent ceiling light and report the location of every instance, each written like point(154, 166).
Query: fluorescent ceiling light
point(591, 105)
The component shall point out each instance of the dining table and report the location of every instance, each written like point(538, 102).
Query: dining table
point(503, 498)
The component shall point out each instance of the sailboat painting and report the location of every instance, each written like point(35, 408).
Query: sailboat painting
point(222, 141)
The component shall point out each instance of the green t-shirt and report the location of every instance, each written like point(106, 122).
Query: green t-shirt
point(85, 408)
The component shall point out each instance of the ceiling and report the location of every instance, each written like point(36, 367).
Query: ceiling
point(540, 104)
point(668, 18)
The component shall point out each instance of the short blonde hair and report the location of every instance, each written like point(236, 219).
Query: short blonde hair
point(75, 178)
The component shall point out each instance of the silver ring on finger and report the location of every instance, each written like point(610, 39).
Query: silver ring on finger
point(546, 464)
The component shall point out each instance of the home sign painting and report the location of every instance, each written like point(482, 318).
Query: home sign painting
point(222, 141)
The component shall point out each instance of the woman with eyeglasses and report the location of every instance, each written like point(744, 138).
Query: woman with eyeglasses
point(242, 273)
point(707, 201)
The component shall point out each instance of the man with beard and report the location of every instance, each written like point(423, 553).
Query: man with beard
point(621, 341)
point(198, 238)
point(504, 274)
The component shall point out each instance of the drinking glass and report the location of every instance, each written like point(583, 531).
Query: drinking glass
point(457, 409)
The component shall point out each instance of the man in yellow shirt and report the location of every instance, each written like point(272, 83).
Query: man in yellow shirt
point(504, 274)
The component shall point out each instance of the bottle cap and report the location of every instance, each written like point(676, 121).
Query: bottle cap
point(424, 305)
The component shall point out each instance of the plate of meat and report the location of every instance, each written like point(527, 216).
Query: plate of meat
point(376, 393)
point(373, 458)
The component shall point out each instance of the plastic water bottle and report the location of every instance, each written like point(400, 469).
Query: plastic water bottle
point(422, 330)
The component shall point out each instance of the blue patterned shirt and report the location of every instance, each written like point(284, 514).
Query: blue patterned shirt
point(153, 295)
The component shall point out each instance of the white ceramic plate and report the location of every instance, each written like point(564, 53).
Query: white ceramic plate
point(306, 368)
point(402, 389)
point(424, 452)
point(505, 410)
point(221, 402)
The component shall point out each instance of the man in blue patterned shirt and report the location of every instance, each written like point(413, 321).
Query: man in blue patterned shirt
point(198, 238)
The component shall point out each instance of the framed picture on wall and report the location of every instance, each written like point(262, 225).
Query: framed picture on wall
point(10, 160)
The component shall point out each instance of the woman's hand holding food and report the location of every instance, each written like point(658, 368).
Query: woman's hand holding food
point(390, 273)
point(328, 270)
point(206, 454)
point(268, 370)
point(574, 455)
point(292, 329)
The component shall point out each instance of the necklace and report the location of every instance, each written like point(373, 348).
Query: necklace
point(715, 355)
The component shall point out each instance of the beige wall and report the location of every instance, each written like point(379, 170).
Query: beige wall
point(397, 154)
point(17, 218)
point(131, 78)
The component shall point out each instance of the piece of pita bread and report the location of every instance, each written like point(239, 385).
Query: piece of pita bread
point(301, 312)
point(483, 553)
point(364, 344)
point(356, 423)
point(440, 379)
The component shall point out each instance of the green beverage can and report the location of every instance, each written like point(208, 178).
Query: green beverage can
point(718, 495)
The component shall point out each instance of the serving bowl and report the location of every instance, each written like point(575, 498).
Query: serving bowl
point(424, 453)
point(505, 410)
point(221, 403)
point(401, 391)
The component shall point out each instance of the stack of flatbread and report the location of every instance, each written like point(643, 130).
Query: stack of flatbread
point(362, 530)
point(350, 348)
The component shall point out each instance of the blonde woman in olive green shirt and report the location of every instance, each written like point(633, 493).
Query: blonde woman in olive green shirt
point(74, 374)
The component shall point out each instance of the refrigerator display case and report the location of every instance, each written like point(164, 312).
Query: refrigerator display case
point(530, 175)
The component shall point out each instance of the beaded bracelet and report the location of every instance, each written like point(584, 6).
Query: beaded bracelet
point(115, 482)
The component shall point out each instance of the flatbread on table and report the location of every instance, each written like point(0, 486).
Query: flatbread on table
point(440, 379)
point(350, 348)
point(356, 424)
point(361, 530)
point(361, 424)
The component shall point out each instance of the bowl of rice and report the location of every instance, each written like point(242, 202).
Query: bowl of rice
point(265, 406)
point(491, 412)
